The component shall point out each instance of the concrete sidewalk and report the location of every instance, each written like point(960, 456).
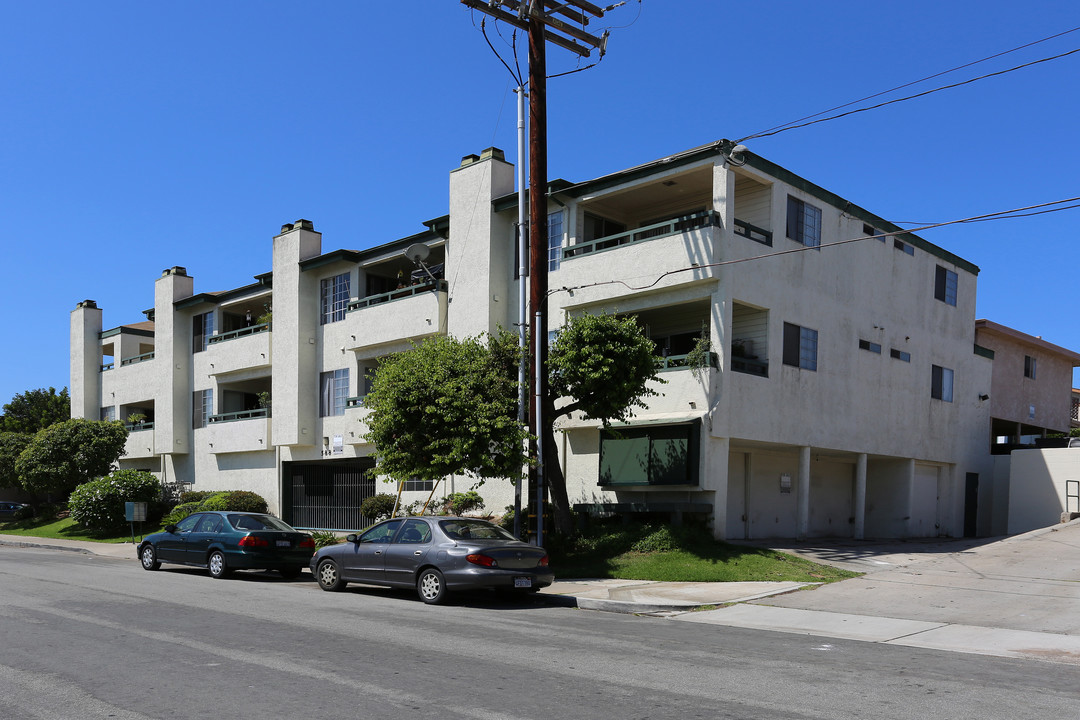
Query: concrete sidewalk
point(1011, 597)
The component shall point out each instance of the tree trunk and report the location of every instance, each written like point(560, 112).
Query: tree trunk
point(553, 476)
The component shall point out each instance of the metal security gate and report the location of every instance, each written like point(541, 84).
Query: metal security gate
point(327, 494)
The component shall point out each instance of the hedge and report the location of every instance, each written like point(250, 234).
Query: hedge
point(100, 504)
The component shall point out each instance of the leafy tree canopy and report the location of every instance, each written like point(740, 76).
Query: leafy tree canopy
point(604, 363)
point(11, 446)
point(446, 407)
point(35, 410)
point(63, 456)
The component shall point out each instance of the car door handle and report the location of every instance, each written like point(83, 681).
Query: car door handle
point(418, 552)
point(378, 552)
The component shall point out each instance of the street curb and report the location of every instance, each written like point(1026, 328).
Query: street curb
point(46, 546)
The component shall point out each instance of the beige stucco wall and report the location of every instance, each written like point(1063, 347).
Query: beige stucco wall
point(1037, 487)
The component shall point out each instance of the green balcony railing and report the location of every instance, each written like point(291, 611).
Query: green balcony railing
point(399, 294)
point(753, 232)
point(135, 427)
point(242, 332)
point(681, 362)
point(242, 415)
point(674, 226)
point(137, 358)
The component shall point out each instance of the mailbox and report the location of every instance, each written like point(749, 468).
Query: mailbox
point(135, 511)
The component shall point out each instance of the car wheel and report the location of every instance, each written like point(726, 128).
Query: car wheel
point(290, 572)
point(217, 566)
point(148, 558)
point(431, 586)
point(329, 576)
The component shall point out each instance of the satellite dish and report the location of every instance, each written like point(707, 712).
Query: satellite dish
point(417, 252)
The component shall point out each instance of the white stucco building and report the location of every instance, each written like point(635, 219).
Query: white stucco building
point(846, 397)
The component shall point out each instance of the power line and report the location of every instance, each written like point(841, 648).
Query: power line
point(909, 97)
point(916, 82)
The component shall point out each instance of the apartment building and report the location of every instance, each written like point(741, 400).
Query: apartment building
point(846, 396)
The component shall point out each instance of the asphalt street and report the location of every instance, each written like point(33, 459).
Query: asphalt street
point(88, 636)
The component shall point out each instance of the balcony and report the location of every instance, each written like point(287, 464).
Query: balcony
point(675, 226)
point(244, 349)
point(682, 362)
point(235, 432)
point(140, 441)
point(136, 359)
point(242, 332)
point(419, 311)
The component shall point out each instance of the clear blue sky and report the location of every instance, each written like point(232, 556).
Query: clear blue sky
point(137, 135)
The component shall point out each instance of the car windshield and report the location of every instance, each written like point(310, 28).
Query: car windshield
point(473, 530)
point(258, 522)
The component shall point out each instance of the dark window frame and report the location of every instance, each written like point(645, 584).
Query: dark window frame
point(800, 347)
point(799, 226)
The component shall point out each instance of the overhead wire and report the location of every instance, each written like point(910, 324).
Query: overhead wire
point(928, 77)
point(909, 97)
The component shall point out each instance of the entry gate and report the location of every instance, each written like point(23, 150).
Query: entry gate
point(327, 495)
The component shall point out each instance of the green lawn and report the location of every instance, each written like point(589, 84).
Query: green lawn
point(68, 529)
point(659, 553)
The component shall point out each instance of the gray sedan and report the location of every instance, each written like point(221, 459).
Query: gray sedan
point(435, 555)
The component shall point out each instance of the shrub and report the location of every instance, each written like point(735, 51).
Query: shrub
point(377, 507)
point(226, 500)
point(99, 504)
point(461, 503)
point(180, 512)
point(24, 513)
point(324, 538)
point(659, 539)
point(196, 496)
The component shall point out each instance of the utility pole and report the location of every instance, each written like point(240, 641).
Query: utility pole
point(537, 17)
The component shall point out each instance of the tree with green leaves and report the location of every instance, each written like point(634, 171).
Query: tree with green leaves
point(604, 365)
point(35, 410)
point(64, 455)
point(448, 407)
point(11, 446)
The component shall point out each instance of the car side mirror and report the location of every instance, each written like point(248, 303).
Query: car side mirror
point(352, 537)
point(170, 528)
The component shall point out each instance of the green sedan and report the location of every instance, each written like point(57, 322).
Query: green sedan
point(227, 541)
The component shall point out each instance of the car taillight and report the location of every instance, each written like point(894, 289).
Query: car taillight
point(543, 562)
point(308, 543)
point(253, 541)
point(483, 560)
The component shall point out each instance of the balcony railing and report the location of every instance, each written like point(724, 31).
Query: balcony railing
point(242, 332)
point(399, 294)
point(674, 226)
point(135, 427)
point(753, 232)
point(357, 401)
point(107, 366)
point(137, 358)
point(681, 362)
point(242, 415)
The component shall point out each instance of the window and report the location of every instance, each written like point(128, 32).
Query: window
point(800, 347)
point(871, 346)
point(869, 231)
point(333, 392)
point(599, 227)
point(202, 407)
point(661, 455)
point(941, 383)
point(900, 355)
point(945, 285)
point(418, 484)
point(335, 298)
point(108, 413)
point(555, 239)
point(202, 328)
point(803, 222)
point(903, 247)
point(1029, 367)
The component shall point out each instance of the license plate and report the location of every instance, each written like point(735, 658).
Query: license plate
point(284, 543)
point(522, 582)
